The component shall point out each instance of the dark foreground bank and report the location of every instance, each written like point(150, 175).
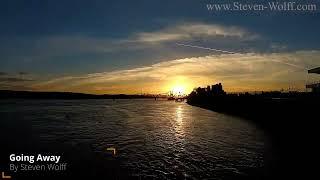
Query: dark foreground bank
point(290, 119)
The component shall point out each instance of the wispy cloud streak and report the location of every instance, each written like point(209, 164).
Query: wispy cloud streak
point(231, 52)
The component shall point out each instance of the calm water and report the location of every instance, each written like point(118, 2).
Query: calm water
point(154, 139)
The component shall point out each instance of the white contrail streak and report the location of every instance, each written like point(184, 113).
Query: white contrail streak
point(211, 49)
point(289, 64)
point(230, 52)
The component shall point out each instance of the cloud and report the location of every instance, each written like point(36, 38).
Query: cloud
point(16, 82)
point(23, 73)
point(14, 79)
point(79, 50)
point(55, 45)
point(3, 73)
point(249, 71)
point(277, 46)
point(190, 31)
point(17, 87)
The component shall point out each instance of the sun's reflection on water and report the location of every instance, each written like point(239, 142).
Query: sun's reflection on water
point(179, 122)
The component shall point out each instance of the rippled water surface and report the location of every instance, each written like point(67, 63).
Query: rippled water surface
point(154, 139)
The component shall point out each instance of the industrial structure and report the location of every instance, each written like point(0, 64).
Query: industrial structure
point(315, 86)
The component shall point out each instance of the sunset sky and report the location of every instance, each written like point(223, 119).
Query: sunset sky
point(133, 46)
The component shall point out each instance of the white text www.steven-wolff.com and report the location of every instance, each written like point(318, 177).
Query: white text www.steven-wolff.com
point(266, 6)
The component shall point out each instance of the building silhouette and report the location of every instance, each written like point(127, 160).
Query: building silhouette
point(213, 90)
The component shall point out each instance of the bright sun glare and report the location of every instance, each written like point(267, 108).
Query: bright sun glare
point(178, 90)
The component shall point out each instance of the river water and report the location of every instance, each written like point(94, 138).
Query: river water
point(153, 139)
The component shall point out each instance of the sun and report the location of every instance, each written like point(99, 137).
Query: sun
point(179, 86)
point(178, 90)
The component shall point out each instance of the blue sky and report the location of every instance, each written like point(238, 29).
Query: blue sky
point(52, 40)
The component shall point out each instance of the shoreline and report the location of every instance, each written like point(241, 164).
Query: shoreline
point(8, 94)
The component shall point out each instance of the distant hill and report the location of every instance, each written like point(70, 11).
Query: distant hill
point(9, 94)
